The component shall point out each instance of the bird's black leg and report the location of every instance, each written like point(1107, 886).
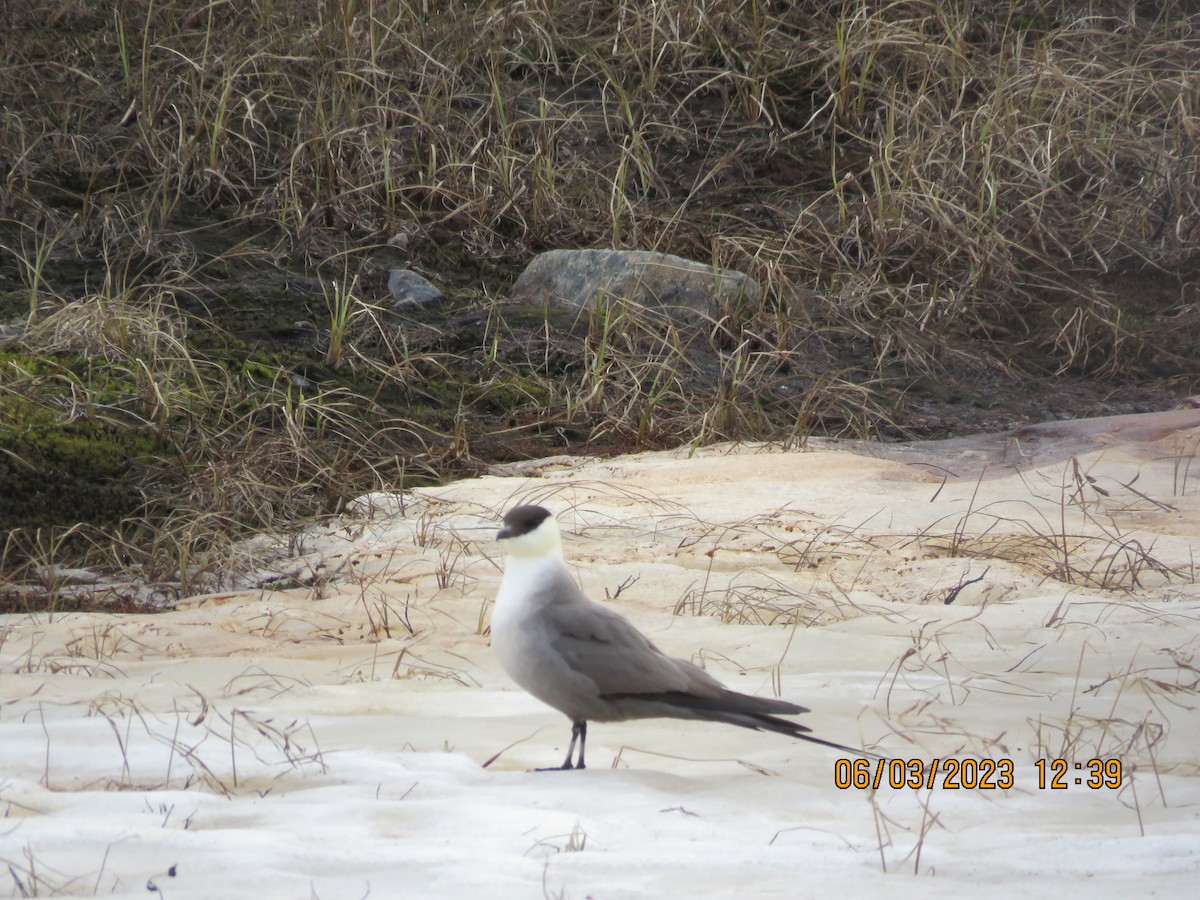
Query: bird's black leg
point(578, 733)
point(579, 728)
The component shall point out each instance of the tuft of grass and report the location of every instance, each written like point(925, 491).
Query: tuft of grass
point(1079, 541)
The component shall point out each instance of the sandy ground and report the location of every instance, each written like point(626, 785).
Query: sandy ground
point(1017, 598)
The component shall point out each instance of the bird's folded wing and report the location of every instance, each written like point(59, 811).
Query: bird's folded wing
point(605, 648)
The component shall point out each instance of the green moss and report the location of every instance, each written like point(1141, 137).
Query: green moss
point(262, 371)
point(17, 362)
point(75, 472)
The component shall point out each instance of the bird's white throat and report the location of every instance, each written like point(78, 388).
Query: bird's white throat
point(534, 559)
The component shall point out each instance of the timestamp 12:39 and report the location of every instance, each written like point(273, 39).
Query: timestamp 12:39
point(1059, 774)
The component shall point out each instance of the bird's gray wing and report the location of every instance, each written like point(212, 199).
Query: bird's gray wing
point(604, 647)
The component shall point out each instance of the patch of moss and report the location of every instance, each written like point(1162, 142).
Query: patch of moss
point(31, 364)
point(60, 474)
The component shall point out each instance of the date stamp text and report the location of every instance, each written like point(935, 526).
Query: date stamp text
point(973, 774)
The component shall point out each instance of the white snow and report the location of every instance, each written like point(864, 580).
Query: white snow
point(329, 740)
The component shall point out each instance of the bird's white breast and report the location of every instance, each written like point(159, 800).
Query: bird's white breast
point(516, 629)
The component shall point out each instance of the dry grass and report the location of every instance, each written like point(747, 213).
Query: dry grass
point(220, 744)
point(1087, 537)
point(926, 189)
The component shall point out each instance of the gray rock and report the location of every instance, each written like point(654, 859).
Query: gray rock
point(410, 289)
point(659, 281)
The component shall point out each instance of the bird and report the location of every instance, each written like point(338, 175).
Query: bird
point(591, 663)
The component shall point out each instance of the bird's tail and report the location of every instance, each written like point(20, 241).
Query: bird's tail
point(732, 708)
point(800, 732)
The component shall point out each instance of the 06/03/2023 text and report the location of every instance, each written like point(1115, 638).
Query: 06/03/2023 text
point(973, 774)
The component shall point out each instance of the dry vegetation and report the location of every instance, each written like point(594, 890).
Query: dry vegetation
point(940, 196)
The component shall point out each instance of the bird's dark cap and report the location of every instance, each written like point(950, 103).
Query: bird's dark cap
point(521, 520)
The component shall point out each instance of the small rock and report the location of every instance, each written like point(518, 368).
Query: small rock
point(670, 284)
point(410, 289)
